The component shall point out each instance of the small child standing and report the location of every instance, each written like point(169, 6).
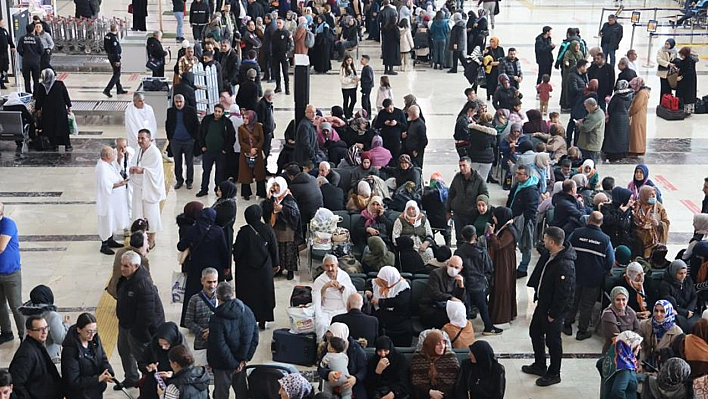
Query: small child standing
point(544, 90)
point(336, 360)
point(384, 92)
point(406, 43)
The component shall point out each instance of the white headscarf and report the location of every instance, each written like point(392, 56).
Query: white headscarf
point(389, 283)
point(339, 330)
point(591, 164)
point(457, 313)
point(13, 99)
point(281, 182)
point(48, 79)
point(413, 204)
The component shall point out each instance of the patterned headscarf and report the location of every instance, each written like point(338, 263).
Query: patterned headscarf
point(660, 328)
point(296, 386)
point(637, 83)
point(673, 374)
point(622, 85)
point(620, 356)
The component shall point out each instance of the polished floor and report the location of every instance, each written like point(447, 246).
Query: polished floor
point(51, 195)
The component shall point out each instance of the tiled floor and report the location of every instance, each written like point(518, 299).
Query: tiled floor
point(58, 226)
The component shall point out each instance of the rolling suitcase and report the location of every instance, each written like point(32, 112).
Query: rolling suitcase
point(664, 113)
point(294, 348)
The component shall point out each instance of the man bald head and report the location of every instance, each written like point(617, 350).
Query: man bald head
point(455, 261)
point(107, 153)
point(355, 301)
point(595, 219)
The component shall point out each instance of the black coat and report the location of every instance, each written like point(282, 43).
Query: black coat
point(567, 212)
point(617, 129)
point(544, 50)
point(187, 90)
point(34, 376)
point(458, 36)
point(627, 74)
point(681, 295)
point(482, 145)
point(321, 52)
point(441, 287)
point(611, 35)
point(383, 224)
point(155, 50)
point(243, 68)
point(605, 76)
point(199, 13)
point(391, 42)
point(228, 133)
point(434, 208)
point(247, 96)
point(394, 316)
point(525, 202)
point(154, 354)
point(332, 197)
point(360, 325)
point(558, 285)
point(230, 64)
point(264, 111)
point(391, 135)
point(357, 366)
point(395, 378)
point(139, 307)
point(84, 9)
point(307, 195)
point(80, 370)
point(687, 86)
point(503, 98)
point(476, 266)
point(191, 122)
point(233, 335)
point(54, 120)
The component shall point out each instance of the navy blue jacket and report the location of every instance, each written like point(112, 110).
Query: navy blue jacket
point(567, 212)
point(356, 367)
point(233, 335)
point(595, 255)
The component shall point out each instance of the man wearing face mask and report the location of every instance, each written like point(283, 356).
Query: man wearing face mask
point(444, 284)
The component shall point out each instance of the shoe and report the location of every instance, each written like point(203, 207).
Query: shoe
point(534, 369)
point(583, 335)
point(2, 86)
point(520, 274)
point(548, 380)
point(451, 71)
point(178, 185)
point(291, 275)
point(106, 250)
point(125, 384)
point(202, 194)
point(287, 91)
point(277, 90)
point(121, 91)
point(493, 331)
point(113, 243)
point(568, 329)
point(261, 325)
point(392, 72)
point(107, 94)
point(189, 186)
point(6, 337)
point(247, 198)
point(276, 271)
point(492, 180)
point(68, 148)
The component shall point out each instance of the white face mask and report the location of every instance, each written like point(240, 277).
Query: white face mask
point(452, 272)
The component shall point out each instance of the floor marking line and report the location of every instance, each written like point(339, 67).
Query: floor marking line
point(665, 182)
point(691, 206)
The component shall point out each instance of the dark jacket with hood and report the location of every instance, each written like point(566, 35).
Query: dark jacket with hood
point(617, 223)
point(192, 382)
point(230, 64)
point(304, 189)
point(458, 36)
point(483, 139)
point(476, 266)
point(34, 376)
point(544, 50)
point(154, 354)
point(80, 371)
point(554, 294)
point(567, 212)
point(139, 308)
point(681, 294)
point(185, 87)
point(464, 191)
point(407, 258)
point(233, 335)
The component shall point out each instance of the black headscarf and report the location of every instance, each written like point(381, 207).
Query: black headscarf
point(170, 333)
point(188, 79)
point(482, 378)
point(41, 300)
point(254, 215)
point(228, 190)
point(620, 196)
point(206, 218)
point(503, 215)
point(484, 355)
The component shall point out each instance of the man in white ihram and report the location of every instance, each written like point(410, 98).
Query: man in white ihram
point(330, 293)
point(139, 115)
point(147, 178)
point(121, 161)
point(111, 200)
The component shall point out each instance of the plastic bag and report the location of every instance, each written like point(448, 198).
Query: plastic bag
point(73, 126)
point(302, 319)
point(321, 241)
point(179, 281)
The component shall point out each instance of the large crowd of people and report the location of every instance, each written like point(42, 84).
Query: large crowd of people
point(584, 226)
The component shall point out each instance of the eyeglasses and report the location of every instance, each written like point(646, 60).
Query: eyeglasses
point(40, 329)
point(91, 332)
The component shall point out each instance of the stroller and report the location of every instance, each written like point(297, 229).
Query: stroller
point(421, 45)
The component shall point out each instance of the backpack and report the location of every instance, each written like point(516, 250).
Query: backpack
point(309, 39)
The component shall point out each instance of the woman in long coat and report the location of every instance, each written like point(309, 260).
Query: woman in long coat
point(53, 106)
point(651, 223)
point(225, 208)
point(281, 212)
point(687, 81)
point(502, 248)
point(390, 45)
point(616, 144)
point(497, 53)
point(571, 57)
point(256, 256)
point(207, 248)
point(638, 117)
point(320, 53)
point(252, 162)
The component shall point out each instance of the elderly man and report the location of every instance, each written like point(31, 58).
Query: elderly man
point(111, 204)
point(330, 293)
point(332, 176)
point(444, 284)
point(591, 131)
point(360, 325)
point(139, 115)
point(464, 189)
point(139, 312)
point(200, 308)
point(264, 111)
point(10, 279)
point(306, 148)
point(33, 373)
point(605, 75)
point(147, 178)
point(415, 138)
point(182, 127)
point(332, 196)
point(523, 200)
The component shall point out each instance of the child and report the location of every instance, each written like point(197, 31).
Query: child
point(384, 92)
point(554, 118)
point(406, 45)
point(544, 90)
point(336, 360)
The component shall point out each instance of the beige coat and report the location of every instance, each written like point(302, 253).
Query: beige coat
point(406, 40)
point(663, 58)
point(638, 122)
point(650, 343)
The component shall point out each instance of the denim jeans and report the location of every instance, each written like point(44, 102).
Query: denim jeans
point(179, 16)
point(439, 52)
point(479, 299)
point(609, 55)
point(11, 294)
point(525, 260)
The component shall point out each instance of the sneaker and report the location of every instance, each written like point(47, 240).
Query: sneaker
point(534, 369)
point(567, 329)
point(520, 274)
point(493, 331)
point(538, 96)
point(202, 194)
point(178, 185)
point(277, 90)
point(6, 337)
point(548, 380)
point(583, 335)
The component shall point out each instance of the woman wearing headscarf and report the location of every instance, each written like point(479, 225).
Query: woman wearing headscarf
point(295, 386)
point(651, 223)
point(541, 168)
point(617, 217)
point(41, 303)
point(207, 248)
point(387, 371)
point(502, 236)
point(700, 233)
point(433, 369)
point(570, 58)
point(459, 329)
point(53, 105)
point(673, 382)
point(618, 317)
point(378, 255)
point(616, 144)
point(188, 217)
point(378, 155)
point(225, 208)
point(14, 103)
point(85, 368)
point(535, 123)
point(638, 117)
point(357, 359)
point(281, 212)
point(256, 255)
point(664, 58)
point(321, 52)
point(481, 376)
point(155, 360)
point(677, 287)
point(687, 80)
point(252, 161)
point(483, 214)
point(414, 224)
point(618, 367)
point(492, 57)
point(359, 199)
point(694, 348)
point(373, 223)
point(588, 169)
point(433, 202)
point(659, 332)
point(639, 179)
point(391, 298)
point(404, 172)
point(364, 169)
point(633, 282)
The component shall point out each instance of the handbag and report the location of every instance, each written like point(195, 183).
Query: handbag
point(154, 64)
point(481, 78)
point(340, 235)
point(179, 283)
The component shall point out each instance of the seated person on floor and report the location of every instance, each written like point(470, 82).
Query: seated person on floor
point(330, 293)
point(444, 285)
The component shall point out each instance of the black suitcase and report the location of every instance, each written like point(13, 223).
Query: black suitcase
point(263, 380)
point(665, 113)
point(301, 295)
point(294, 348)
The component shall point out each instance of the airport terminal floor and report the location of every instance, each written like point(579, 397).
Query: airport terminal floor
point(51, 195)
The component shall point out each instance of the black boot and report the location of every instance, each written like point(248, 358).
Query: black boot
point(105, 249)
point(113, 243)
